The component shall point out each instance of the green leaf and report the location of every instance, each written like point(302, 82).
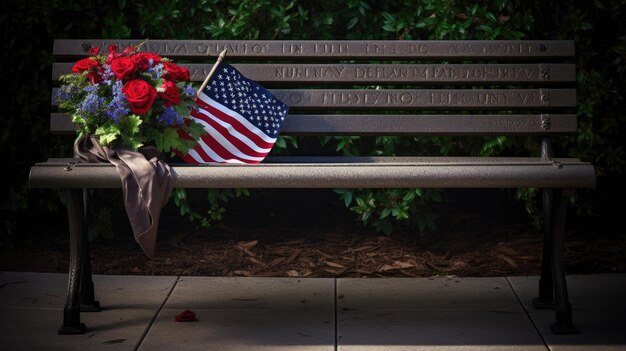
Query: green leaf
point(132, 123)
point(182, 109)
point(280, 142)
point(360, 202)
point(366, 215)
point(170, 140)
point(347, 198)
point(293, 140)
point(341, 145)
point(194, 129)
point(107, 133)
point(352, 23)
point(409, 196)
point(389, 28)
point(130, 132)
point(385, 212)
point(586, 26)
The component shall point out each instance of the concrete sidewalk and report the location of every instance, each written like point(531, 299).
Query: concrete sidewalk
point(311, 314)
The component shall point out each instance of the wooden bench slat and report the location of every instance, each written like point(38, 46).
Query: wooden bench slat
point(406, 74)
point(61, 123)
point(428, 99)
point(428, 173)
point(337, 49)
point(430, 124)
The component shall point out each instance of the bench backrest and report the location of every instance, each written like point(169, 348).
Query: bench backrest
point(388, 87)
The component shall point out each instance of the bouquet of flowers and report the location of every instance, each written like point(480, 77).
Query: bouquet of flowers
point(131, 98)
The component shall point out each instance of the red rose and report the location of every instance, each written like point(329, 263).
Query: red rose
point(175, 72)
point(85, 64)
point(171, 94)
point(94, 77)
point(124, 68)
point(94, 51)
point(113, 54)
point(130, 49)
point(142, 60)
point(140, 95)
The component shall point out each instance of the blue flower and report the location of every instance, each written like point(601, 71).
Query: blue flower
point(92, 103)
point(118, 107)
point(66, 93)
point(63, 95)
point(156, 71)
point(116, 90)
point(108, 75)
point(170, 117)
point(190, 90)
point(91, 89)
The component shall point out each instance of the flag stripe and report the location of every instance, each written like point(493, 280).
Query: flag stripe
point(231, 116)
point(203, 153)
point(187, 158)
point(210, 156)
point(198, 154)
point(192, 157)
point(205, 118)
point(219, 143)
point(254, 135)
point(241, 141)
point(206, 152)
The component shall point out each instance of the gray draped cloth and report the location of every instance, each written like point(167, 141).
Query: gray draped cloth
point(146, 184)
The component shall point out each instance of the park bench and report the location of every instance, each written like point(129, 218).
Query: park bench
point(523, 89)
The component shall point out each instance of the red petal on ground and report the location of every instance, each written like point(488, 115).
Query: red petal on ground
point(186, 316)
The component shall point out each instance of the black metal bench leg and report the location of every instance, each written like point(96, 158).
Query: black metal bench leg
point(562, 306)
point(546, 284)
point(71, 312)
point(88, 302)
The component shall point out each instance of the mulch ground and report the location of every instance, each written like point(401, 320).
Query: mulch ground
point(309, 233)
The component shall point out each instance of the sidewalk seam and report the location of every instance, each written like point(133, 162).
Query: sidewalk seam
point(156, 314)
point(528, 314)
point(336, 312)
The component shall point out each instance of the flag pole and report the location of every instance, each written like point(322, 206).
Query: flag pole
point(206, 80)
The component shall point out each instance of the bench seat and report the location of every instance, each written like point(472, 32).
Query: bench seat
point(341, 172)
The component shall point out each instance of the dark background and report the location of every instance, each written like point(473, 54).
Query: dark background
point(28, 29)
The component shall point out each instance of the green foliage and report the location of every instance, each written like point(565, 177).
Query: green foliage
point(215, 197)
point(598, 28)
point(382, 209)
point(283, 143)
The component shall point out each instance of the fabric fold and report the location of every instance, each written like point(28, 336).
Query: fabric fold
point(146, 184)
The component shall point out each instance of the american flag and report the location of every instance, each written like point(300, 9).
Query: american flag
point(241, 118)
